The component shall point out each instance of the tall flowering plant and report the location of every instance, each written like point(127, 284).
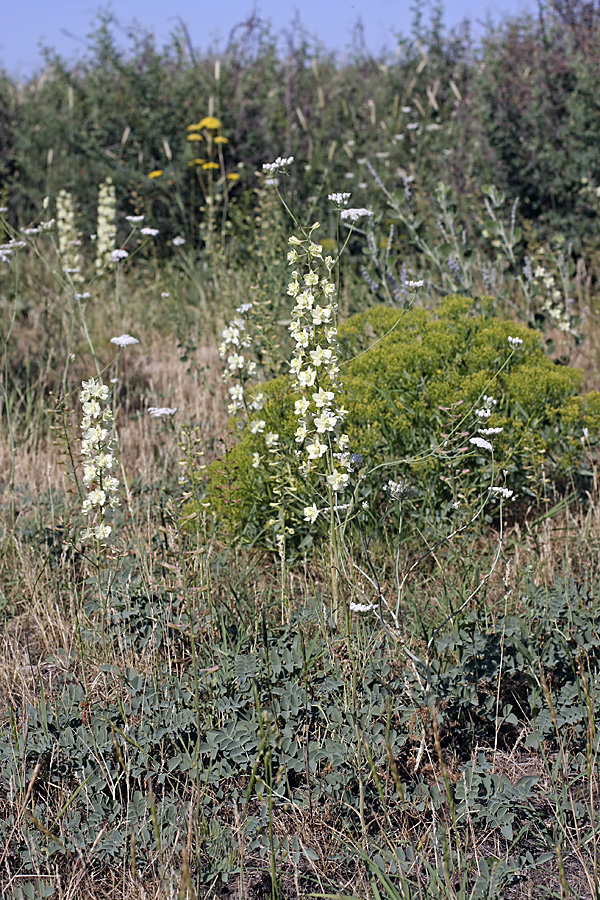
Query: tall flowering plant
point(97, 447)
point(322, 442)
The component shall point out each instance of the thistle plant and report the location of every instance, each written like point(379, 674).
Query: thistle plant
point(106, 227)
point(97, 447)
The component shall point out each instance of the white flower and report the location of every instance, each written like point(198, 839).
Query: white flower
point(338, 480)
point(150, 232)
point(258, 426)
point(301, 407)
point(504, 493)
point(325, 422)
point(515, 342)
point(255, 460)
point(101, 532)
point(311, 513)
point(323, 398)
point(124, 340)
point(135, 220)
point(118, 254)
point(157, 411)
point(361, 607)
point(481, 443)
point(280, 165)
point(354, 214)
point(178, 241)
point(235, 361)
point(414, 284)
point(165, 294)
point(258, 402)
point(271, 440)
point(340, 199)
point(307, 377)
point(488, 431)
point(244, 308)
point(316, 450)
point(236, 392)
point(97, 497)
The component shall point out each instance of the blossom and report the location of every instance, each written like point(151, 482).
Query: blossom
point(488, 431)
point(134, 219)
point(258, 426)
point(255, 460)
point(501, 492)
point(481, 443)
point(271, 440)
point(210, 165)
point(316, 450)
point(311, 513)
point(149, 232)
point(361, 607)
point(414, 284)
point(339, 199)
point(178, 241)
point(515, 342)
point(354, 214)
point(156, 173)
point(280, 165)
point(124, 340)
point(338, 480)
point(211, 123)
point(118, 254)
point(158, 411)
point(233, 176)
point(194, 136)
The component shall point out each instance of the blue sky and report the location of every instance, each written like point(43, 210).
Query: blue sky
point(64, 24)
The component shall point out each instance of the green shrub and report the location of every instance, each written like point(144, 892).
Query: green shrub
point(412, 382)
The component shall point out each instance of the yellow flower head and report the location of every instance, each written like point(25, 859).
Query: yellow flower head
point(233, 176)
point(196, 162)
point(155, 174)
point(221, 140)
point(192, 127)
point(209, 122)
point(195, 137)
point(210, 165)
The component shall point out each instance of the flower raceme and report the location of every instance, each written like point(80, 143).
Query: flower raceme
point(97, 448)
point(314, 365)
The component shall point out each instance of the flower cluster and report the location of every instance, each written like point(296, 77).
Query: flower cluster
point(339, 199)
point(487, 408)
point(280, 165)
point(97, 448)
point(106, 229)
point(239, 368)
point(515, 342)
point(314, 366)
point(354, 214)
point(68, 236)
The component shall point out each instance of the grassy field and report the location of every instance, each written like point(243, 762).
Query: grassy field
point(324, 622)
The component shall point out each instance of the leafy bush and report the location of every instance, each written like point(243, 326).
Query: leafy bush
point(413, 381)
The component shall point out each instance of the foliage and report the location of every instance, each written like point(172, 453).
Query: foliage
point(413, 382)
point(109, 769)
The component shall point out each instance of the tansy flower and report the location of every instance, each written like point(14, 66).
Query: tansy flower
point(196, 162)
point(155, 174)
point(233, 176)
point(220, 139)
point(195, 137)
point(209, 122)
point(210, 165)
point(193, 127)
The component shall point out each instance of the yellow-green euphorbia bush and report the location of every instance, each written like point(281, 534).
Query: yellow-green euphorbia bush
point(413, 382)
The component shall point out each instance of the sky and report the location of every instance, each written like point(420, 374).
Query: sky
point(64, 24)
